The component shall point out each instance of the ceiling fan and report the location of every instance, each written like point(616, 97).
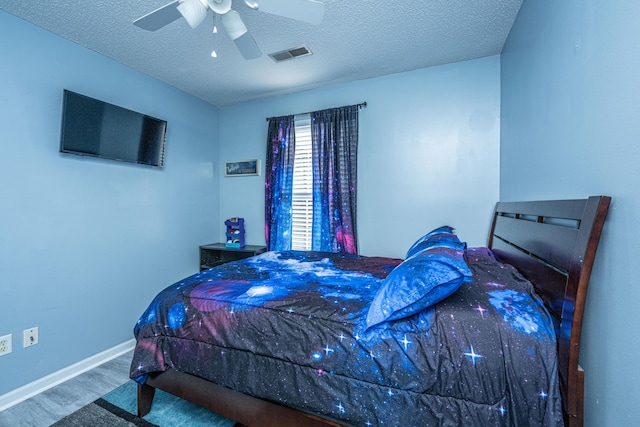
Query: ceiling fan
point(195, 12)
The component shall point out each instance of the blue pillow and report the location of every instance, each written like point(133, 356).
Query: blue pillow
point(439, 236)
point(438, 241)
point(418, 283)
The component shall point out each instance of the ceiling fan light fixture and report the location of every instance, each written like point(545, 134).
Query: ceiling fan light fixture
point(219, 6)
point(252, 4)
point(193, 11)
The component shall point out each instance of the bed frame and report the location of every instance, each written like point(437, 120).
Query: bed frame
point(552, 243)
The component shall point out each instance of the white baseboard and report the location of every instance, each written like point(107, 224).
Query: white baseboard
point(38, 386)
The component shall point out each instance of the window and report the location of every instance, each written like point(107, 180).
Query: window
point(302, 196)
point(321, 165)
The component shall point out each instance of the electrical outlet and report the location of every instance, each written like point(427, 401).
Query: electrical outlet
point(5, 345)
point(30, 337)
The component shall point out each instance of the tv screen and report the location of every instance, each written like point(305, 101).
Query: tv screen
point(95, 128)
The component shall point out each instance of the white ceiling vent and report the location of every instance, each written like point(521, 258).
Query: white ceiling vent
point(296, 52)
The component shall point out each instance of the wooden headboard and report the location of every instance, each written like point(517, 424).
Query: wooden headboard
point(553, 244)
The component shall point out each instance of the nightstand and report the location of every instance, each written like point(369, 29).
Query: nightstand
point(218, 253)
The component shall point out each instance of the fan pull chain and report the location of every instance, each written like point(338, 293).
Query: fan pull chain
point(215, 32)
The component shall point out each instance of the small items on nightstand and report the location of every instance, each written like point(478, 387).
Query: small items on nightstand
point(235, 232)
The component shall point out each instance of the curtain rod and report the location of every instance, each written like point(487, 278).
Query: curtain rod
point(360, 106)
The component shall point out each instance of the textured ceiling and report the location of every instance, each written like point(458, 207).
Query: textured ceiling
point(356, 40)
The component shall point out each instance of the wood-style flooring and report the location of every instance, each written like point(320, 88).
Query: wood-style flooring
point(54, 404)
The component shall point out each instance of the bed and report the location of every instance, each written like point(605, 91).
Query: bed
point(318, 339)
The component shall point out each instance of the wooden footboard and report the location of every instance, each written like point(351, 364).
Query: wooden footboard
point(245, 409)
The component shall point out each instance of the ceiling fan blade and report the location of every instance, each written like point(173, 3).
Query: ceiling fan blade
point(248, 47)
point(232, 23)
point(159, 18)
point(310, 11)
point(193, 11)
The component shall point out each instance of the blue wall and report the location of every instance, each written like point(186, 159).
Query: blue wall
point(428, 153)
point(570, 128)
point(86, 244)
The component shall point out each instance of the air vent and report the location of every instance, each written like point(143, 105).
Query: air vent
point(296, 52)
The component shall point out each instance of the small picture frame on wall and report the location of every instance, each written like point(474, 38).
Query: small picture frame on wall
point(242, 168)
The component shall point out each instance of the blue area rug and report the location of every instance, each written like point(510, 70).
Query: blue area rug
point(117, 409)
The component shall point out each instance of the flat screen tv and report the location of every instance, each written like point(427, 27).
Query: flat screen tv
point(95, 128)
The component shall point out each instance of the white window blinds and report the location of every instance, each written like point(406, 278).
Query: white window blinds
point(302, 198)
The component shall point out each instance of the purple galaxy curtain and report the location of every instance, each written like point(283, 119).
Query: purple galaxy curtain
point(278, 183)
point(334, 137)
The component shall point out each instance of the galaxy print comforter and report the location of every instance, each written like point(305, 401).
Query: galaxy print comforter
point(290, 327)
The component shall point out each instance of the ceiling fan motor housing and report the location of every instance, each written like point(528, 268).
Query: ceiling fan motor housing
point(219, 6)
